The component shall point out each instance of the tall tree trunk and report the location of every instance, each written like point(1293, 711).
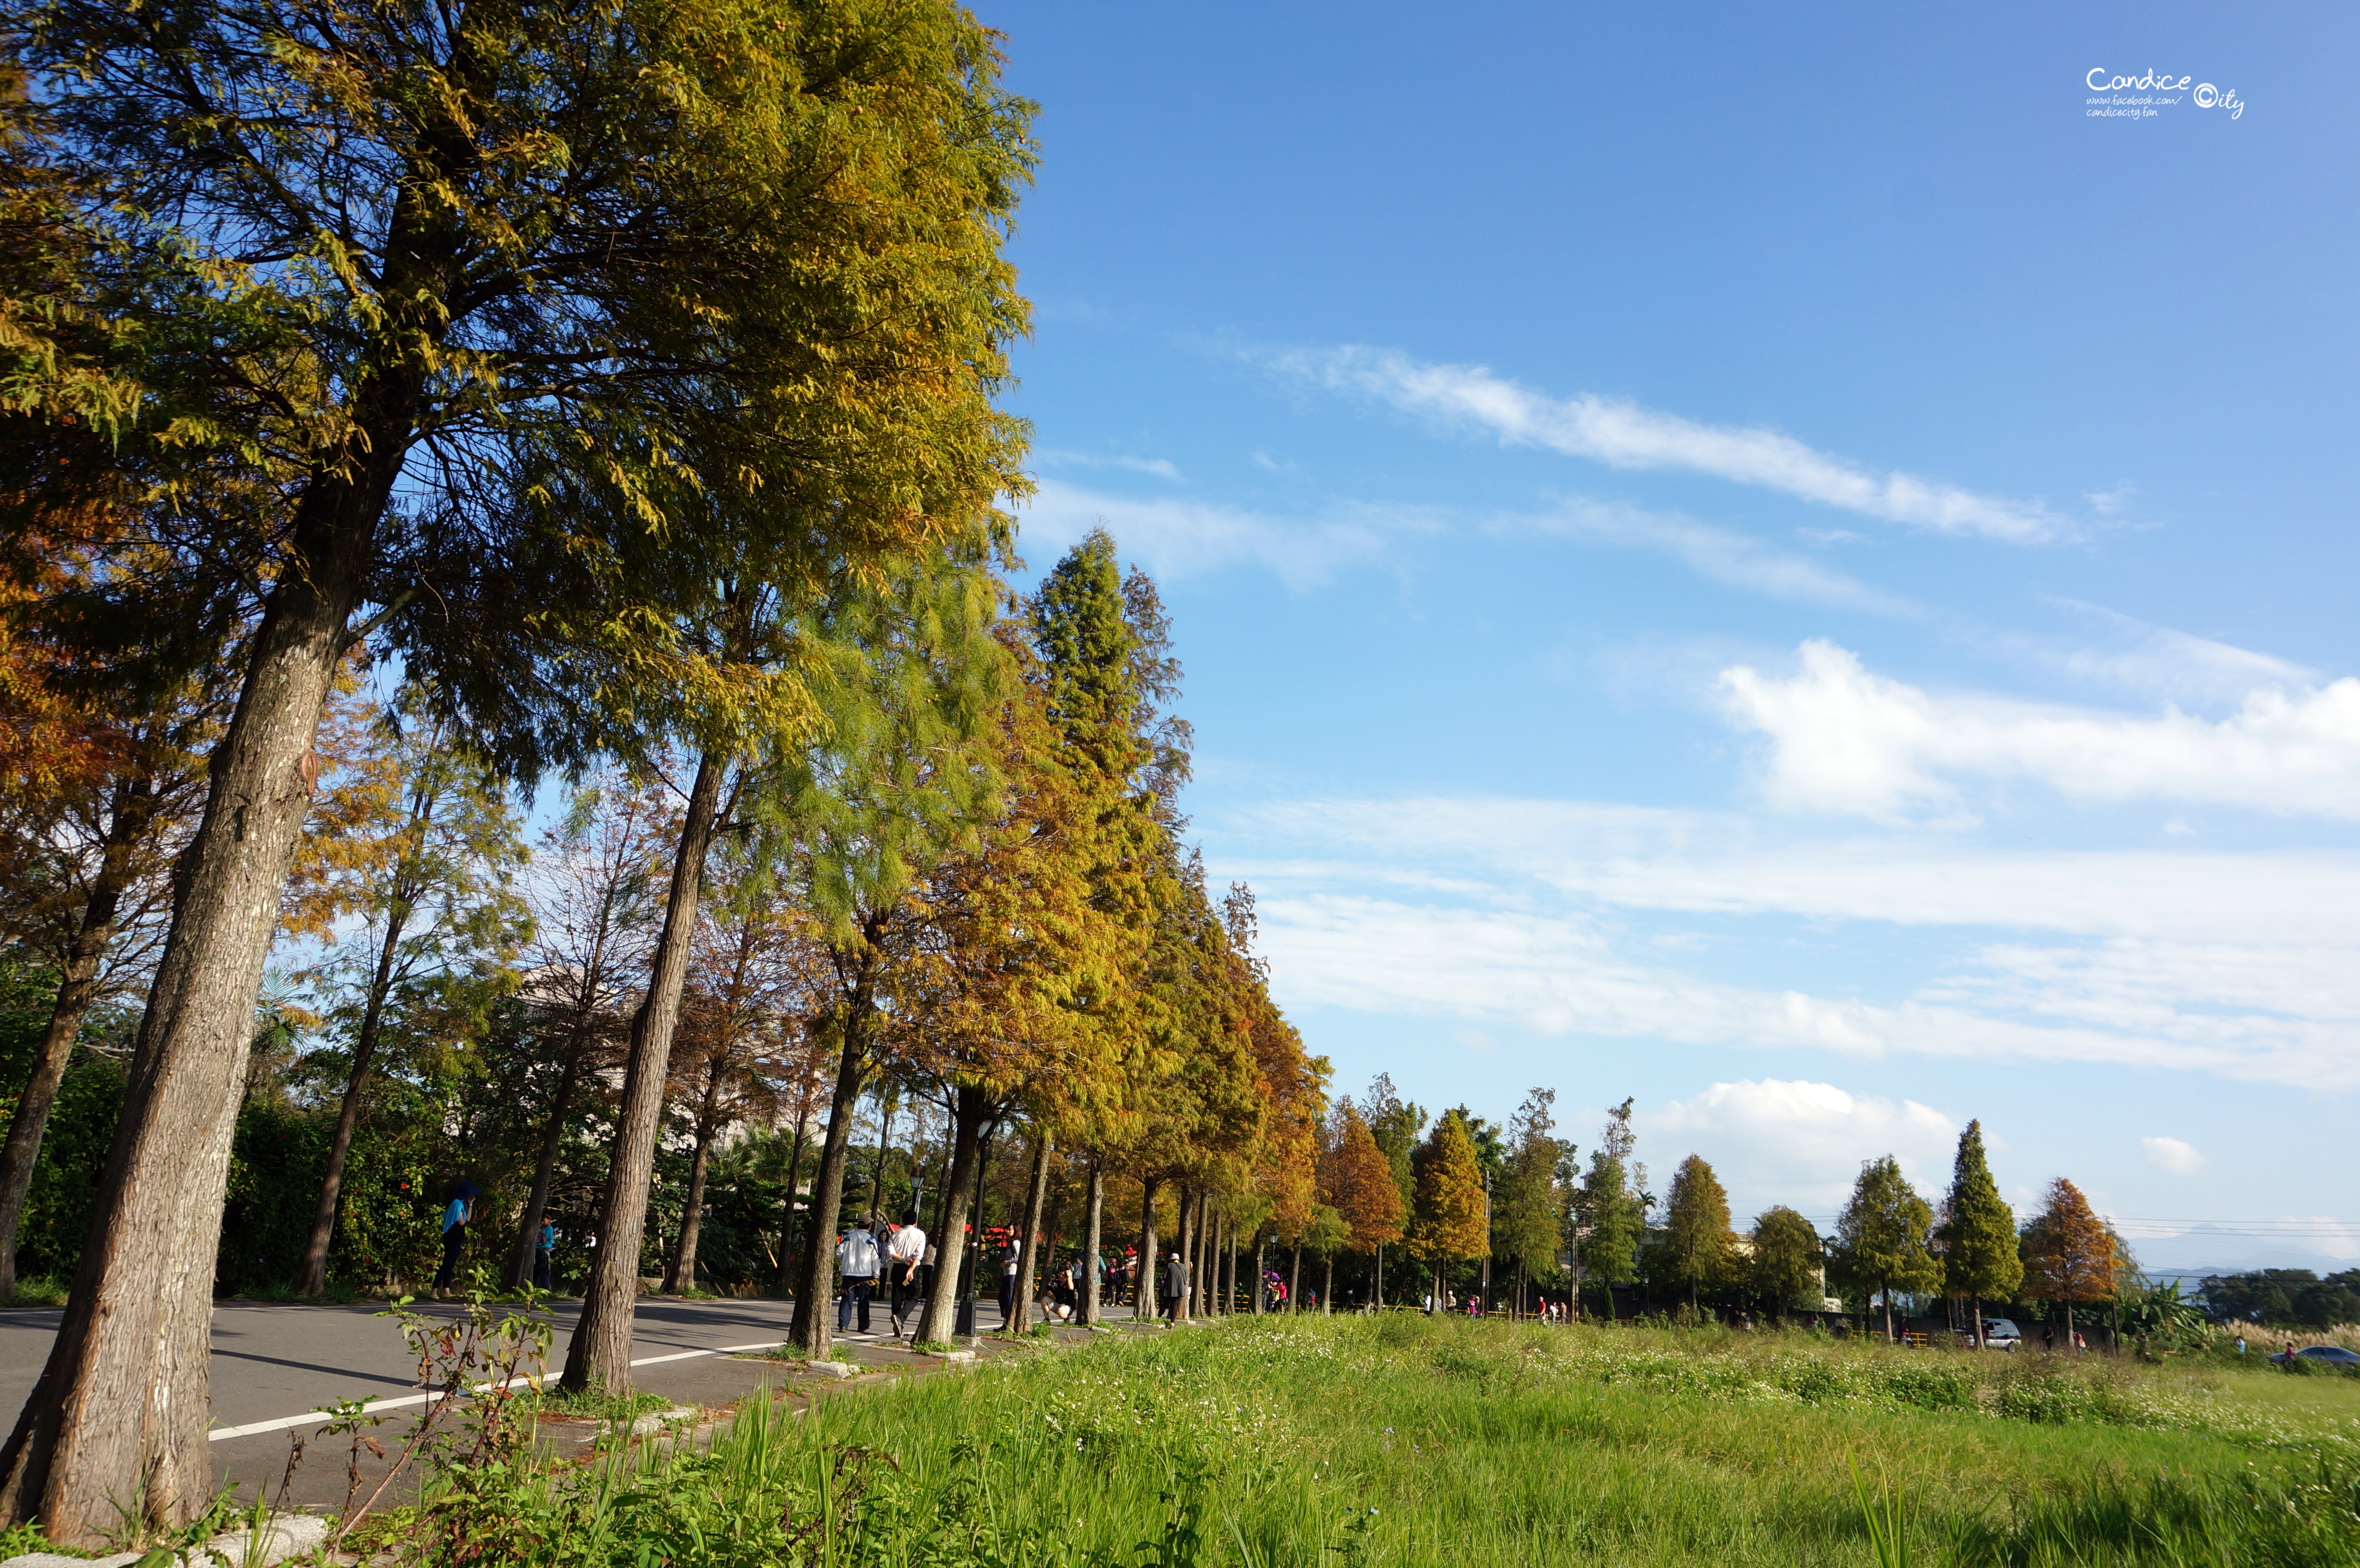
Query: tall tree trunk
point(1295, 1280)
point(600, 1353)
point(1092, 1240)
point(545, 1169)
point(1974, 1301)
point(683, 1272)
point(1885, 1291)
point(790, 1260)
point(1377, 1284)
point(1185, 1223)
point(681, 1275)
point(1327, 1290)
point(1229, 1265)
point(1144, 1284)
point(884, 1142)
point(117, 1421)
point(968, 1113)
point(1256, 1287)
point(817, 1289)
point(2069, 1328)
point(1028, 1256)
point(77, 992)
point(314, 1280)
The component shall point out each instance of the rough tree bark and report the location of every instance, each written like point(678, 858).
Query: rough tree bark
point(1028, 1257)
point(967, 1116)
point(1092, 1240)
point(790, 1261)
point(1143, 1285)
point(816, 1289)
point(884, 1142)
point(1260, 1243)
point(314, 1280)
point(1183, 1224)
point(681, 1275)
point(77, 994)
point(118, 1419)
point(600, 1353)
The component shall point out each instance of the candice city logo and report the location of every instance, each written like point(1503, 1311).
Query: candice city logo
point(2147, 95)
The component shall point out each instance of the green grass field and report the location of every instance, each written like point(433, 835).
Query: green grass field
point(1401, 1439)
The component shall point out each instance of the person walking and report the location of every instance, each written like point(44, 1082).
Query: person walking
point(905, 1254)
point(456, 1216)
point(855, 1260)
point(1009, 1260)
point(1175, 1285)
point(542, 1250)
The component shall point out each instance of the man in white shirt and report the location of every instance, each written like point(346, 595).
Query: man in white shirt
point(905, 1253)
point(856, 1259)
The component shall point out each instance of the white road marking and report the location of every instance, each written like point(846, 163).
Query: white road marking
point(287, 1423)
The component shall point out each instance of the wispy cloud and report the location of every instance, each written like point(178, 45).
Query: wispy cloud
point(1562, 974)
point(1719, 555)
point(1845, 739)
point(1183, 537)
point(2159, 661)
point(2173, 1155)
point(1178, 537)
point(1538, 913)
point(1623, 434)
point(1055, 457)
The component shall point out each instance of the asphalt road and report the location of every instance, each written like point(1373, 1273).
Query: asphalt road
point(275, 1365)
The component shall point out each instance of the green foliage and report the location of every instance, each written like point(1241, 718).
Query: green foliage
point(1977, 1235)
point(65, 1179)
point(1446, 1225)
point(1611, 1211)
point(1399, 1439)
point(1396, 1124)
point(1785, 1267)
point(1694, 1250)
point(1527, 1208)
point(2284, 1297)
point(1882, 1236)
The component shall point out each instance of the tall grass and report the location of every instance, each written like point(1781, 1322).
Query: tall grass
point(1294, 1442)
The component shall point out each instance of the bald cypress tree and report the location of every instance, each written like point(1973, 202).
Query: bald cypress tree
point(695, 254)
point(1977, 1235)
point(1695, 1250)
point(1447, 1223)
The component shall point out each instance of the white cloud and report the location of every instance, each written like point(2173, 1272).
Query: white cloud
point(2159, 661)
point(1178, 538)
point(1714, 553)
point(1798, 1142)
point(1551, 916)
point(1625, 435)
point(1161, 467)
point(1844, 739)
point(2170, 1154)
point(1561, 974)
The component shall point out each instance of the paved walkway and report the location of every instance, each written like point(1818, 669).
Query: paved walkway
point(275, 1363)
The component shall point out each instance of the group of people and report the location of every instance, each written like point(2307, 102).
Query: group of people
point(901, 1257)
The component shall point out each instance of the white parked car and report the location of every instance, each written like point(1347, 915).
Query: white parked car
point(2000, 1333)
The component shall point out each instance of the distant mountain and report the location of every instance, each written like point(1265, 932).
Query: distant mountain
point(2204, 1250)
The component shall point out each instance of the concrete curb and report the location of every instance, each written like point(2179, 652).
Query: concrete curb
point(289, 1535)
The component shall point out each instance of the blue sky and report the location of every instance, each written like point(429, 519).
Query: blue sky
point(1771, 563)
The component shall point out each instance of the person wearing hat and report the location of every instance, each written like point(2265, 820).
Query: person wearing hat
point(856, 1259)
point(456, 1216)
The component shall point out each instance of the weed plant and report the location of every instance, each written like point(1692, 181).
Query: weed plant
point(1397, 1440)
